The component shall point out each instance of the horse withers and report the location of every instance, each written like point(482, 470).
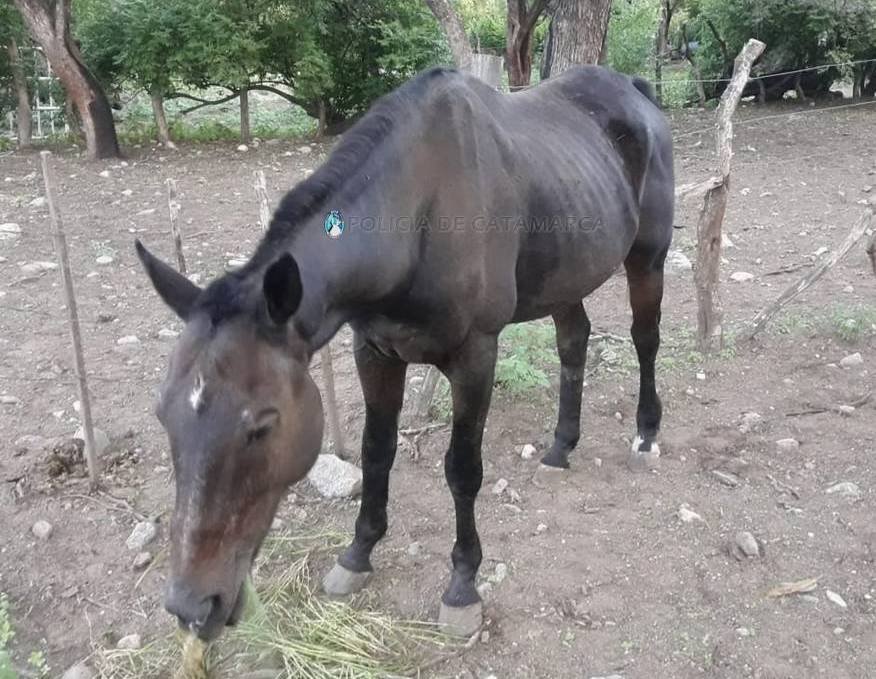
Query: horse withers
point(447, 212)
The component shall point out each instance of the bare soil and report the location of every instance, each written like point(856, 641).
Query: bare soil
point(602, 576)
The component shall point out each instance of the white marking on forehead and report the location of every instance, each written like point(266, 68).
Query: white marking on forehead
point(196, 398)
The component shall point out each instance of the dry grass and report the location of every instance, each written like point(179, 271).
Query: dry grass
point(290, 631)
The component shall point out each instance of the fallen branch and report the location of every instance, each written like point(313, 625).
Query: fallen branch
point(768, 313)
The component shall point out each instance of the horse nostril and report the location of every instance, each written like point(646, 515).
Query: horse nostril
point(191, 609)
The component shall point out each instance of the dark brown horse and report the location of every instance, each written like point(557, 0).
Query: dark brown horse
point(460, 210)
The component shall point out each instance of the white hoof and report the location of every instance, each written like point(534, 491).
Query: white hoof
point(641, 460)
point(341, 581)
point(461, 621)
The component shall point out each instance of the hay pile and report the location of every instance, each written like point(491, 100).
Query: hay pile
point(289, 631)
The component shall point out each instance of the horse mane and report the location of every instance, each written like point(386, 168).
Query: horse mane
point(228, 296)
point(353, 153)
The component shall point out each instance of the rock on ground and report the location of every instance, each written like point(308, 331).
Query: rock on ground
point(852, 360)
point(101, 440)
point(144, 533)
point(528, 451)
point(749, 422)
point(745, 545)
point(845, 488)
point(788, 445)
point(334, 477)
point(130, 642)
point(687, 515)
point(142, 560)
point(677, 261)
point(79, 671)
point(42, 529)
point(741, 276)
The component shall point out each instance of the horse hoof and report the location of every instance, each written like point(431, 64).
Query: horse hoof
point(643, 460)
point(341, 581)
point(547, 475)
point(461, 621)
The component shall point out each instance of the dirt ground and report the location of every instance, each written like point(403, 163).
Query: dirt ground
point(603, 577)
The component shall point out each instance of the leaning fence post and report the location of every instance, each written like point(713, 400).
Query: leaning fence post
point(60, 242)
point(173, 209)
point(858, 231)
point(709, 312)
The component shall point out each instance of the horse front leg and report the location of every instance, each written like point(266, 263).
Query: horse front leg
point(383, 384)
point(471, 383)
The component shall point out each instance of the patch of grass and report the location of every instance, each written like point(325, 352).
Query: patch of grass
point(847, 323)
point(38, 667)
point(524, 350)
point(294, 631)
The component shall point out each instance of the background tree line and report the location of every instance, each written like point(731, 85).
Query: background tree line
point(332, 58)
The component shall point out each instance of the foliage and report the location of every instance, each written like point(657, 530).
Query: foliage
point(629, 44)
point(524, 350)
point(484, 21)
point(797, 33)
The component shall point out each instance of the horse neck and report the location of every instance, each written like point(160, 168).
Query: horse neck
point(371, 260)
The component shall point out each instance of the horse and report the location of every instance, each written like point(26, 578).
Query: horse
point(455, 210)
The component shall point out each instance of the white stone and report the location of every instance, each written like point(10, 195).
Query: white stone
point(147, 211)
point(747, 544)
point(9, 400)
point(42, 529)
point(142, 560)
point(128, 339)
point(750, 422)
point(104, 259)
point(34, 268)
point(499, 574)
point(305, 150)
point(414, 549)
point(78, 671)
point(678, 261)
point(144, 533)
point(334, 477)
point(130, 642)
point(39, 201)
point(9, 230)
point(242, 148)
point(101, 440)
point(127, 192)
point(852, 360)
point(845, 488)
point(835, 598)
point(687, 515)
point(168, 333)
point(788, 445)
point(500, 486)
point(741, 276)
point(528, 451)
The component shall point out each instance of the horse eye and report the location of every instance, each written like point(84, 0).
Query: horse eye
point(260, 426)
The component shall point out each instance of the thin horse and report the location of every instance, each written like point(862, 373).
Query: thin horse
point(447, 212)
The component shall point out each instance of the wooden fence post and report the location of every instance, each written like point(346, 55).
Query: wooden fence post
point(261, 188)
point(710, 333)
point(60, 242)
point(173, 209)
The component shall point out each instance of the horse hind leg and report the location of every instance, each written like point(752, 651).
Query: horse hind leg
point(644, 266)
point(573, 333)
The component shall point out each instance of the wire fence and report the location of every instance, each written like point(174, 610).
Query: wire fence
point(685, 81)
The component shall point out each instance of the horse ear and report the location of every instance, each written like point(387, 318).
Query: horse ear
point(177, 291)
point(282, 289)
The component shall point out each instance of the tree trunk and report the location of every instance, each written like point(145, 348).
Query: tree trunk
point(453, 29)
point(24, 122)
point(245, 133)
point(160, 117)
point(518, 39)
point(49, 23)
point(660, 48)
point(577, 33)
point(321, 123)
